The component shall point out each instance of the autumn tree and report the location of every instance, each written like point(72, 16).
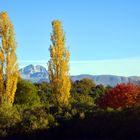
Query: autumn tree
point(121, 96)
point(8, 60)
point(58, 65)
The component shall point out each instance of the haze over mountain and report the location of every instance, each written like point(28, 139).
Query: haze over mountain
point(39, 74)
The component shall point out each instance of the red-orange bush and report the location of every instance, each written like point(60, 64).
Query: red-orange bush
point(121, 96)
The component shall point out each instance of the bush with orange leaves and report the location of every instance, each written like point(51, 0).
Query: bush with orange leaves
point(121, 96)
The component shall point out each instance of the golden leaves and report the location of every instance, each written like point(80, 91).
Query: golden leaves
point(8, 58)
point(58, 66)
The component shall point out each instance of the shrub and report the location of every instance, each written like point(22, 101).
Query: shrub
point(81, 103)
point(74, 112)
point(82, 115)
point(9, 118)
point(36, 118)
point(84, 99)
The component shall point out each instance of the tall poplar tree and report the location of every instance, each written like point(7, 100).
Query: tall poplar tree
point(58, 65)
point(8, 60)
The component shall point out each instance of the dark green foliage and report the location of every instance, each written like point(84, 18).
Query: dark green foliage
point(97, 125)
point(45, 93)
point(26, 94)
point(45, 87)
point(84, 86)
point(36, 118)
point(9, 118)
point(34, 114)
point(98, 91)
point(83, 99)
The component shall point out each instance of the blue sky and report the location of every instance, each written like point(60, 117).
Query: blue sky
point(103, 35)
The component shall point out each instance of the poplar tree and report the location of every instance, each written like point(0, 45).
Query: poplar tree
point(8, 60)
point(58, 65)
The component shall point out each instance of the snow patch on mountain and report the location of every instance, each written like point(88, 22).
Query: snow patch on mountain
point(33, 73)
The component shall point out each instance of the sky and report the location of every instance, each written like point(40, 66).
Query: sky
point(103, 36)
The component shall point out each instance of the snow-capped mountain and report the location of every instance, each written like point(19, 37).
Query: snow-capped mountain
point(39, 74)
point(34, 73)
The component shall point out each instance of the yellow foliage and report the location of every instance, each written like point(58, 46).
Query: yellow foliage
point(1, 73)
point(58, 66)
point(8, 60)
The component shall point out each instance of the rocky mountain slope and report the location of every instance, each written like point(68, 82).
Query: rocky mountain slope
point(34, 73)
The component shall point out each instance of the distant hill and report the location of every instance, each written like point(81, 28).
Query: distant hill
point(111, 80)
point(39, 74)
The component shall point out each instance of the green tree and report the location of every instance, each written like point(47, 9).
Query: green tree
point(84, 86)
point(98, 91)
point(26, 94)
point(45, 93)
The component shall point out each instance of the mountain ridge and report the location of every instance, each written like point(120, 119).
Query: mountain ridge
point(38, 73)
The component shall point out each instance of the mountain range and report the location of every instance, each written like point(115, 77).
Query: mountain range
point(38, 74)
